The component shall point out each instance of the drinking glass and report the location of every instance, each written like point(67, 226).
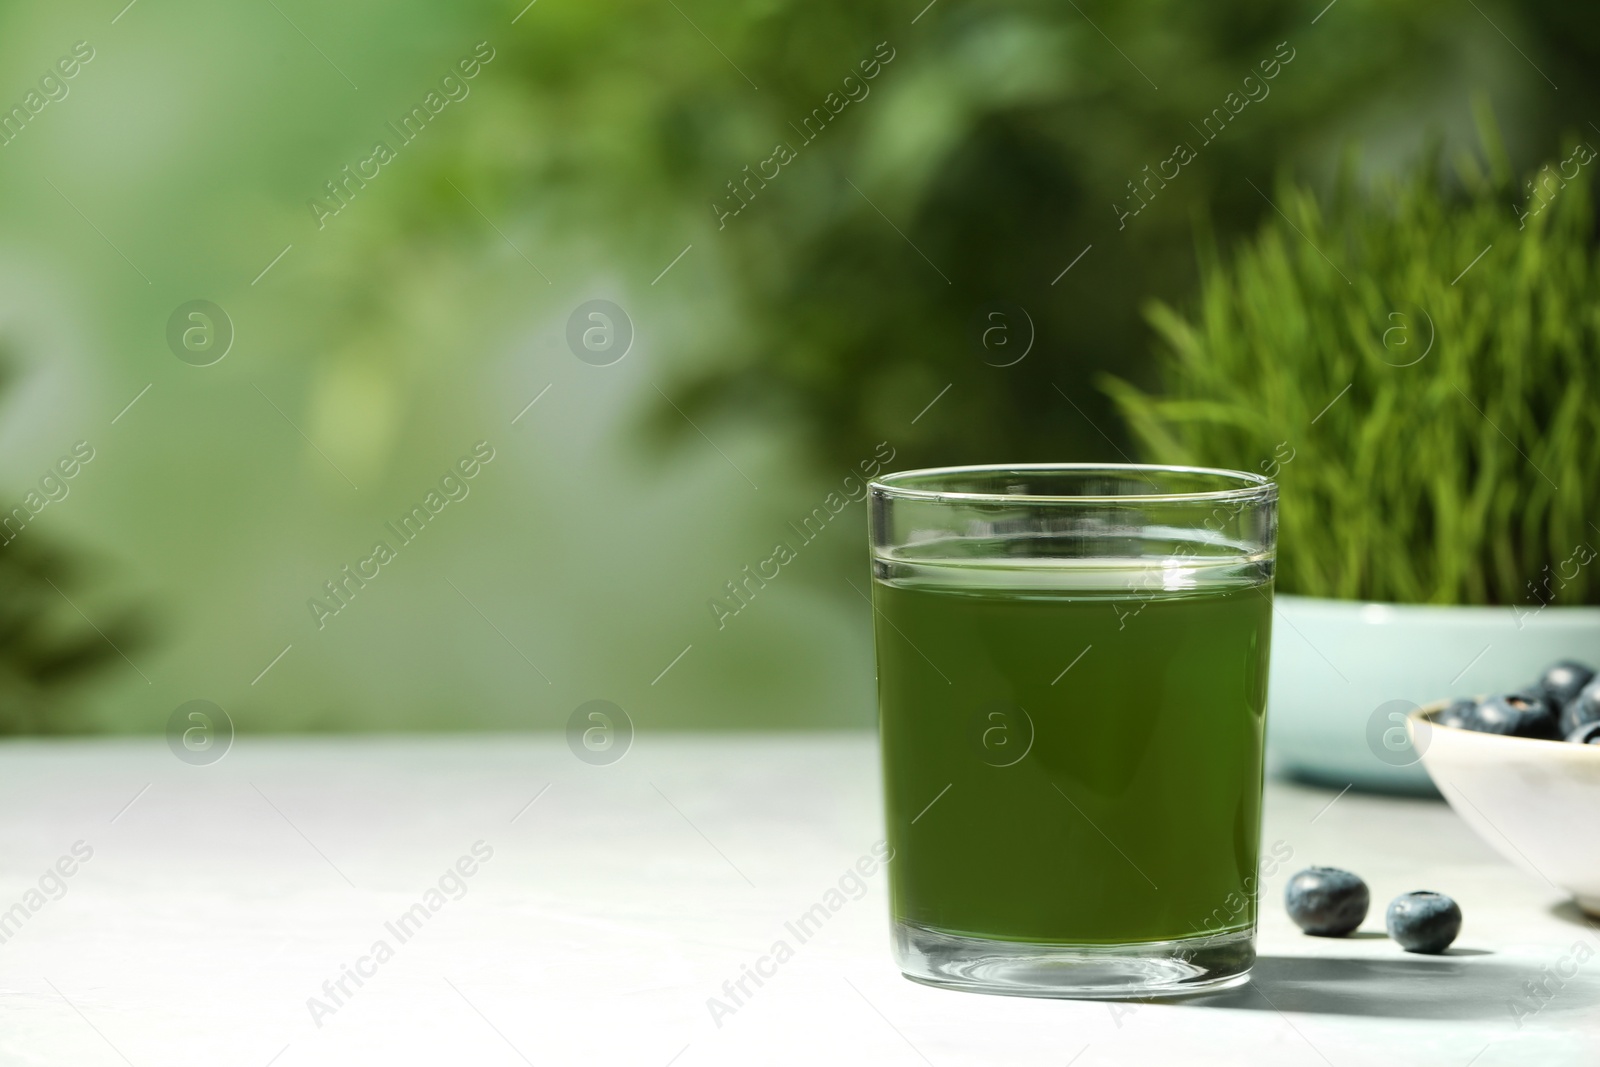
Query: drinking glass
point(1072, 674)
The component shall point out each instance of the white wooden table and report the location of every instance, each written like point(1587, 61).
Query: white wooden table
point(222, 898)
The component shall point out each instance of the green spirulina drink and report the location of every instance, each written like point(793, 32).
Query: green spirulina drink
point(1072, 709)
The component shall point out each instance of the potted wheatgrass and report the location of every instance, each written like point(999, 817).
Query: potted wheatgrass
point(1418, 367)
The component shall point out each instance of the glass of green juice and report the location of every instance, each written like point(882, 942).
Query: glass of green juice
point(1072, 677)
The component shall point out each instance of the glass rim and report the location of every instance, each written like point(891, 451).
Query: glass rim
point(1245, 486)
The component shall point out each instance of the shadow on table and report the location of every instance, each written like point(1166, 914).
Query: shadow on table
point(1458, 985)
point(1568, 911)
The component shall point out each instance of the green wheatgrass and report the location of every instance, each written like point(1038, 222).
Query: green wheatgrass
point(1425, 425)
point(1135, 814)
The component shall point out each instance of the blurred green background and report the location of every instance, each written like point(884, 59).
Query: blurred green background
point(992, 147)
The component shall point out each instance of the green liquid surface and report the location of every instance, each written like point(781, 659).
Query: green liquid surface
point(1073, 765)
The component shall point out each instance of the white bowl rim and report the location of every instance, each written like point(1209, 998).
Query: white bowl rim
point(1425, 714)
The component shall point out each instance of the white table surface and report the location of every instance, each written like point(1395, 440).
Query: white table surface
point(220, 900)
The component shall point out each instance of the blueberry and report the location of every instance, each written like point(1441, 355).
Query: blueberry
point(1561, 681)
point(1457, 713)
point(1326, 901)
point(1515, 715)
point(1581, 709)
point(1424, 921)
point(1587, 734)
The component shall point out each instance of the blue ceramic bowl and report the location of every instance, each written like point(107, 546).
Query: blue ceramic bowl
point(1345, 674)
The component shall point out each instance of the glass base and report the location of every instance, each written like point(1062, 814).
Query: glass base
point(1198, 964)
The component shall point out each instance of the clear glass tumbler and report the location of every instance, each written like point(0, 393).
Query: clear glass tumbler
point(1072, 675)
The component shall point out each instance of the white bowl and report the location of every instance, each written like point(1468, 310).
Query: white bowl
point(1537, 803)
point(1340, 668)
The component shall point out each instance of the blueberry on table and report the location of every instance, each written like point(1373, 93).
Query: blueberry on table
point(1326, 902)
point(1587, 734)
point(1457, 713)
point(1581, 709)
point(1562, 681)
point(1424, 921)
point(1516, 715)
